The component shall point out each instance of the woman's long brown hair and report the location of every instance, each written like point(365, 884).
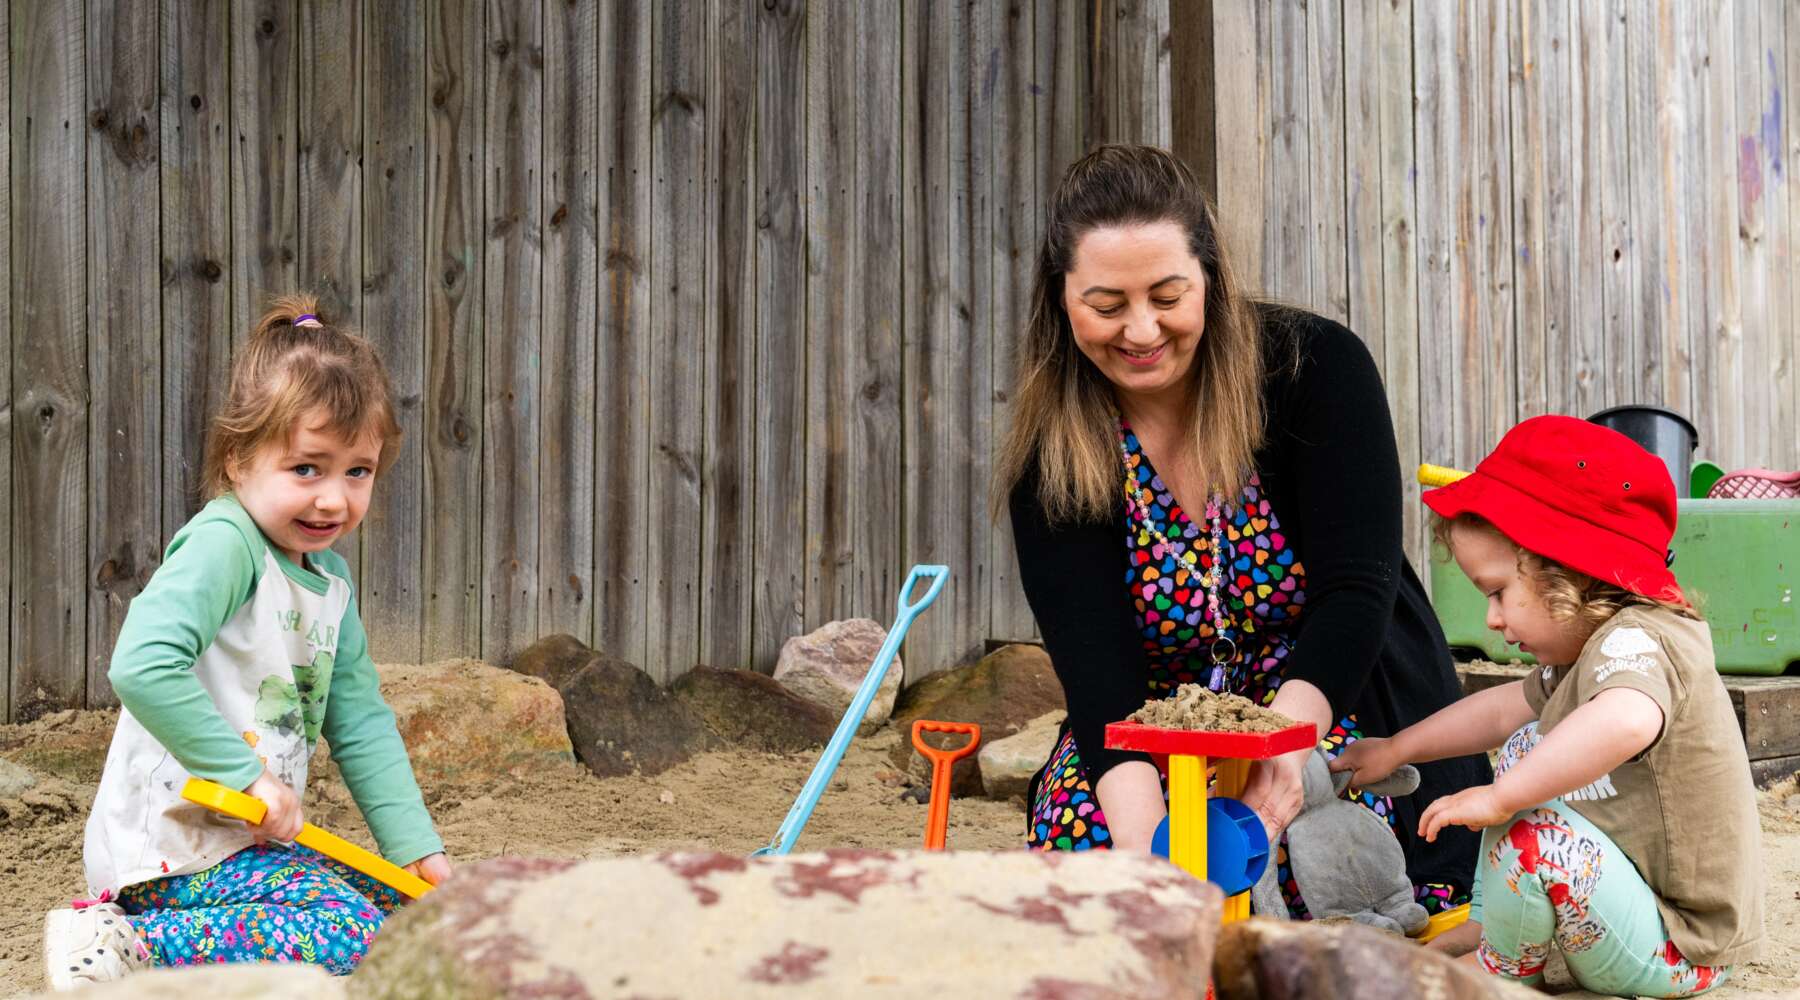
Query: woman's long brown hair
point(1063, 407)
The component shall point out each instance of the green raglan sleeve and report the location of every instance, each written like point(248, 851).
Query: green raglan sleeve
point(208, 572)
point(366, 744)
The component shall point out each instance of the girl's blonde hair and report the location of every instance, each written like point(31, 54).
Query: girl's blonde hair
point(294, 364)
point(1063, 407)
point(1571, 596)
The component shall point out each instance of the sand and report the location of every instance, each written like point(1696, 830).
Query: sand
point(1194, 707)
point(729, 801)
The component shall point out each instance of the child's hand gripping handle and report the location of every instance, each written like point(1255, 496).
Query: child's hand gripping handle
point(236, 804)
point(938, 821)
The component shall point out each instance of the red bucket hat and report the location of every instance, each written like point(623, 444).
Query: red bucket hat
point(1578, 494)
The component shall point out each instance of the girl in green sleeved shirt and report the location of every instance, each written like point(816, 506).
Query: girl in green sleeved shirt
point(242, 651)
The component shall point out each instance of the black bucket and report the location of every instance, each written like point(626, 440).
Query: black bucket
point(1663, 433)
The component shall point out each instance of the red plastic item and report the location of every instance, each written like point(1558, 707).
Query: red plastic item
point(937, 822)
point(1209, 743)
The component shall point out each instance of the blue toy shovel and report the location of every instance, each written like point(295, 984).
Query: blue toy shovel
point(859, 706)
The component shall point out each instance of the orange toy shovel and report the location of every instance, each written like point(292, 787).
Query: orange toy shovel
point(941, 761)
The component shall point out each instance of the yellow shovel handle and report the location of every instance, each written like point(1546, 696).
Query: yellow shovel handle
point(229, 802)
point(1438, 475)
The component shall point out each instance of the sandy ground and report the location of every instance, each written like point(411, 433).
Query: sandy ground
point(726, 801)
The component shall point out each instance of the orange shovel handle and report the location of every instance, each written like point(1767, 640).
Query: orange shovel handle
point(938, 821)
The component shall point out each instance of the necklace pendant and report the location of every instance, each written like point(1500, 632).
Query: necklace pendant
point(1224, 650)
point(1216, 682)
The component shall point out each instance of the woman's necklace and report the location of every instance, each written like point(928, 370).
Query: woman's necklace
point(1224, 648)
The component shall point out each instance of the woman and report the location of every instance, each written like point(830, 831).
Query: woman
point(1164, 426)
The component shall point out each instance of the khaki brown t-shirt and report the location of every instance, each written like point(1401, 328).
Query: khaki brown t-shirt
point(1685, 809)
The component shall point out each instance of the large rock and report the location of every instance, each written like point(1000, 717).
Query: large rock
point(1002, 692)
point(620, 721)
point(838, 924)
point(827, 665)
point(1261, 959)
point(753, 711)
point(554, 659)
point(249, 981)
point(465, 722)
point(1007, 764)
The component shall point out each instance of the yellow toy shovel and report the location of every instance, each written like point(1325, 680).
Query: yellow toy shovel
point(250, 809)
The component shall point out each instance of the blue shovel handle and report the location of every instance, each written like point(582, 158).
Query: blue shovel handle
point(859, 707)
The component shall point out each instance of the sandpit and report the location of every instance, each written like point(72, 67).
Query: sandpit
point(727, 801)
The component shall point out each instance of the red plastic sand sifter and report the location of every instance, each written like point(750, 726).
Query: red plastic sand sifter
point(938, 820)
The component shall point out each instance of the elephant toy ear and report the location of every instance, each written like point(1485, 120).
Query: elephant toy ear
point(1404, 781)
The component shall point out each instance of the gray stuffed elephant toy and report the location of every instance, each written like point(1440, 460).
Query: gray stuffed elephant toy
point(1345, 860)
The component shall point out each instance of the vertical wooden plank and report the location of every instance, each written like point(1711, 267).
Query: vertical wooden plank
point(1194, 84)
point(513, 275)
point(1242, 145)
point(1288, 249)
point(833, 291)
point(727, 496)
point(196, 243)
point(1063, 126)
point(1326, 141)
point(49, 377)
point(870, 351)
point(678, 212)
point(1014, 220)
point(946, 145)
point(265, 206)
point(1753, 223)
point(393, 292)
point(1656, 115)
point(778, 598)
point(330, 156)
point(1489, 358)
point(1392, 83)
point(1717, 339)
point(1529, 81)
point(456, 157)
point(330, 161)
point(1787, 381)
point(782, 274)
point(1779, 425)
point(1565, 233)
point(124, 329)
point(1609, 128)
point(1582, 354)
point(1139, 58)
point(6, 397)
point(622, 396)
point(565, 513)
point(1436, 67)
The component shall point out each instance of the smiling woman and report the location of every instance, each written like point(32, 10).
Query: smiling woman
point(1205, 489)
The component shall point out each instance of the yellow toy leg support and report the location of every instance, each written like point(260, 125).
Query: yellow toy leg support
point(229, 802)
point(1232, 775)
point(1187, 813)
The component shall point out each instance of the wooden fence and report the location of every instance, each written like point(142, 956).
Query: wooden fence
point(700, 310)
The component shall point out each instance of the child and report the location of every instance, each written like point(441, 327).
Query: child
point(241, 652)
point(1622, 826)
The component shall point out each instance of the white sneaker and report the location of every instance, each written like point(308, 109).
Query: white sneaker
point(93, 944)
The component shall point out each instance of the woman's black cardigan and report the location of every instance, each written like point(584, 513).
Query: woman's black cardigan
point(1367, 638)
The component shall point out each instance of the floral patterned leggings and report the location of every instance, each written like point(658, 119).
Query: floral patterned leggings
point(1550, 879)
point(268, 903)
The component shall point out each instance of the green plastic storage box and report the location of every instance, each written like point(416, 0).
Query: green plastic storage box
point(1739, 560)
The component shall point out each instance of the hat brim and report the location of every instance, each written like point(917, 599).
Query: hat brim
point(1558, 535)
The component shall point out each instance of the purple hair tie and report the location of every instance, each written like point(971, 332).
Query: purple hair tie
point(301, 319)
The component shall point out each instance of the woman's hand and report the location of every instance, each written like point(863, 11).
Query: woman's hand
point(433, 868)
point(1275, 791)
point(283, 820)
point(1476, 808)
point(1368, 760)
